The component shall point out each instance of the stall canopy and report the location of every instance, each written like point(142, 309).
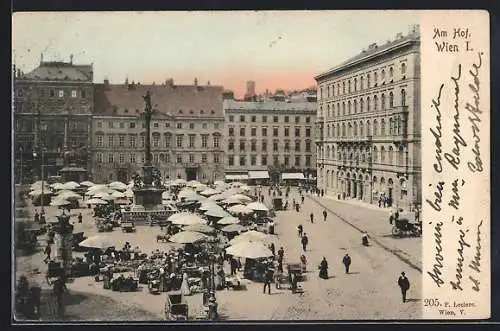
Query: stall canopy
point(236, 177)
point(258, 175)
point(295, 175)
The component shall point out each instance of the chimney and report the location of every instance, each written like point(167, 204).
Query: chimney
point(195, 81)
point(71, 59)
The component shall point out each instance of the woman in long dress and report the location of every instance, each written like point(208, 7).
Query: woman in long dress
point(185, 285)
point(323, 269)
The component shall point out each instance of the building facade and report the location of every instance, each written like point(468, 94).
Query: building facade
point(272, 136)
point(368, 122)
point(186, 131)
point(52, 111)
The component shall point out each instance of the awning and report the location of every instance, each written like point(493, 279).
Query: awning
point(295, 175)
point(258, 174)
point(236, 177)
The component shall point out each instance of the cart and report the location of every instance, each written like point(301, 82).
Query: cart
point(176, 307)
point(404, 228)
point(294, 271)
point(128, 226)
point(278, 203)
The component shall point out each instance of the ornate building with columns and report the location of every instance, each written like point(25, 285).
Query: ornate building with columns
point(186, 131)
point(368, 124)
point(52, 110)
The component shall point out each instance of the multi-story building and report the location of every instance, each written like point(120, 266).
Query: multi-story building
point(368, 122)
point(52, 111)
point(186, 131)
point(270, 136)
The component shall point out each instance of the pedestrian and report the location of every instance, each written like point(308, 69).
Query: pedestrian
point(42, 217)
point(391, 216)
point(380, 202)
point(80, 218)
point(37, 216)
point(312, 218)
point(272, 249)
point(364, 239)
point(262, 198)
point(281, 252)
point(325, 214)
point(404, 284)
point(322, 192)
point(280, 263)
point(293, 202)
point(302, 199)
point(417, 214)
point(47, 252)
point(297, 207)
point(300, 229)
point(323, 269)
point(347, 262)
point(304, 242)
point(268, 278)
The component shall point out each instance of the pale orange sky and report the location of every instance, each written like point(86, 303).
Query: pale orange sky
point(283, 49)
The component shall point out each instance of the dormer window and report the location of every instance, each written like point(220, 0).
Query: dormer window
point(125, 111)
point(191, 111)
point(202, 112)
point(212, 112)
point(180, 111)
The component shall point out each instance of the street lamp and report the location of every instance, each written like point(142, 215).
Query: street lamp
point(41, 175)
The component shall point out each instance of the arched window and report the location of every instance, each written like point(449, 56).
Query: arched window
point(362, 82)
point(368, 106)
point(375, 154)
point(343, 129)
point(382, 128)
point(355, 129)
point(368, 128)
point(349, 86)
point(349, 130)
point(333, 152)
point(383, 75)
point(355, 106)
point(338, 109)
point(403, 97)
point(343, 108)
point(320, 111)
point(361, 129)
point(375, 103)
point(355, 84)
point(382, 101)
point(343, 87)
point(328, 130)
point(361, 105)
point(338, 89)
point(368, 81)
point(339, 134)
point(375, 128)
point(375, 77)
point(400, 156)
point(391, 155)
point(329, 114)
point(333, 110)
point(403, 68)
point(391, 127)
point(391, 72)
point(391, 100)
point(328, 152)
point(349, 107)
point(399, 125)
point(382, 154)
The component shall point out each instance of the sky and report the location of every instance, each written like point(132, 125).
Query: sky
point(276, 49)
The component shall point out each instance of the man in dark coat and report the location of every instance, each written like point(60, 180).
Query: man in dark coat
point(48, 251)
point(80, 218)
point(325, 214)
point(300, 229)
point(347, 262)
point(268, 278)
point(323, 269)
point(304, 241)
point(311, 217)
point(404, 284)
point(281, 252)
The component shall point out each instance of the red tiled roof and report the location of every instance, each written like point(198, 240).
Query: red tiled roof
point(175, 100)
point(61, 71)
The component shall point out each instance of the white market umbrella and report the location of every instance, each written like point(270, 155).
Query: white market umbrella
point(71, 185)
point(192, 183)
point(199, 227)
point(208, 192)
point(232, 201)
point(179, 181)
point(217, 213)
point(240, 209)
point(258, 206)
point(98, 241)
point(117, 194)
point(129, 193)
point(36, 193)
point(236, 184)
point(188, 237)
point(177, 216)
point(195, 197)
point(87, 183)
point(108, 197)
point(165, 195)
point(228, 220)
point(96, 201)
point(118, 186)
point(186, 193)
point(243, 198)
point(217, 197)
point(58, 186)
point(38, 185)
point(207, 204)
point(200, 188)
point(68, 195)
point(250, 250)
point(60, 202)
point(187, 219)
point(233, 228)
point(245, 188)
point(219, 183)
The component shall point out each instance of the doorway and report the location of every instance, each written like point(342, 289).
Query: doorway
point(191, 174)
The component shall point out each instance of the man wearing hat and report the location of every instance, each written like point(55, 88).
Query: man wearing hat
point(404, 284)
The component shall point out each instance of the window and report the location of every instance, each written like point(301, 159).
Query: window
point(216, 141)
point(264, 119)
point(204, 140)
point(143, 125)
point(110, 141)
point(180, 140)
point(230, 145)
point(343, 108)
point(287, 131)
point(403, 98)
point(275, 119)
point(155, 125)
point(99, 157)
point(156, 140)
point(204, 158)
point(383, 75)
point(382, 154)
point(121, 141)
point(275, 132)
point(73, 94)
point(253, 132)
point(167, 158)
point(204, 125)
point(355, 84)
point(242, 118)
point(142, 158)
point(230, 160)
point(349, 107)
point(382, 101)
point(99, 125)
point(61, 93)
point(264, 132)
point(242, 145)
point(391, 72)
point(264, 146)
point(308, 146)
point(179, 158)
point(254, 118)
point(99, 141)
point(167, 141)
point(368, 106)
point(191, 125)
point(297, 119)
point(121, 158)
point(297, 145)
point(391, 100)
point(253, 160)
point(343, 87)
point(179, 125)
point(263, 160)
point(276, 160)
point(375, 78)
point(368, 83)
point(403, 68)
point(52, 93)
point(242, 132)
point(111, 158)
point(349, 86)
point(243, 160)
point(375, 103)
point(287, 119)
point(231, 118)
point(287, 146)
point(275, 145)
point(231, 132)
point(308, 160)
point(216, 125)
point(191, 158)
point(132, 125)
point(216, 158)
point(253, 146)
point(110, 125)
point(308, 119)
point(362, 82)
point(297, 160)
point(143, 140)
point(287, 160)
point(297, 132)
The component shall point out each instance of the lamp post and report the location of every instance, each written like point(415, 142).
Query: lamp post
point(212, 301)
point(35, 155)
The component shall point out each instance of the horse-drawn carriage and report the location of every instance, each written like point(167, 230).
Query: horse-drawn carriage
point(127, 226)
point(293, 276)
point(176, 307)
point(404, 228)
